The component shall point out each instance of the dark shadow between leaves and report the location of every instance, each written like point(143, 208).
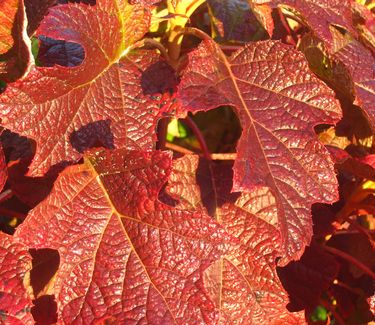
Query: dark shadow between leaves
point(19, 152)
point(158, 78)
point(45, 263)
point(44, 310)
point(91, 135)
point(215, 179)
point(52, 52)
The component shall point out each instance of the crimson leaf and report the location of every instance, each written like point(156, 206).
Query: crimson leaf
point(131, 257)
point(243, 284)
point(278, 101)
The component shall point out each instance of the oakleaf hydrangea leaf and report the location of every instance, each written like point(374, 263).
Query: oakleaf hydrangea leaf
point(130, 257)
point(278, 101)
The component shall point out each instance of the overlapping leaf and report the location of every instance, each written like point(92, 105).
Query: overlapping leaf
point(15, 300)
point(105, 97)
point(244, 284)
point(124, 255)
point(278, 101)
point(317, 14)
point(349, 67)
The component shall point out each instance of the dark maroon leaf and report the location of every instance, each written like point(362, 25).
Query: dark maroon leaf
point(305, 280)
point(3, 169)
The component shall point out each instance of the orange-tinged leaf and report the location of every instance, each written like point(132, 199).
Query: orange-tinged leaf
point(8, 17)
point(124, 255)
point(107, 96)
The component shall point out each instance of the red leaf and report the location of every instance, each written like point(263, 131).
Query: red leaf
point(250, 291)
point(130, 257)
point(104, 97)
point(244, 284)
point(278, 101)
point(15, 300)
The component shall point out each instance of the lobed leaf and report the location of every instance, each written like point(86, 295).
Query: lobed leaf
point(243, 284)
point(278, 101)
point(124, 255)
point(105, 99)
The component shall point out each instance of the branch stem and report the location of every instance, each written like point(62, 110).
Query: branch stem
point(350, 259)
point(5, 195)
point(198, 134)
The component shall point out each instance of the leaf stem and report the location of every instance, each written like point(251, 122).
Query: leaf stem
point(179, 149)
point(195, 32)
point(183, 12)
point(223, 156)
point(350, 259)
point(198, 134)
point(5, 195)
point(214, 156)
